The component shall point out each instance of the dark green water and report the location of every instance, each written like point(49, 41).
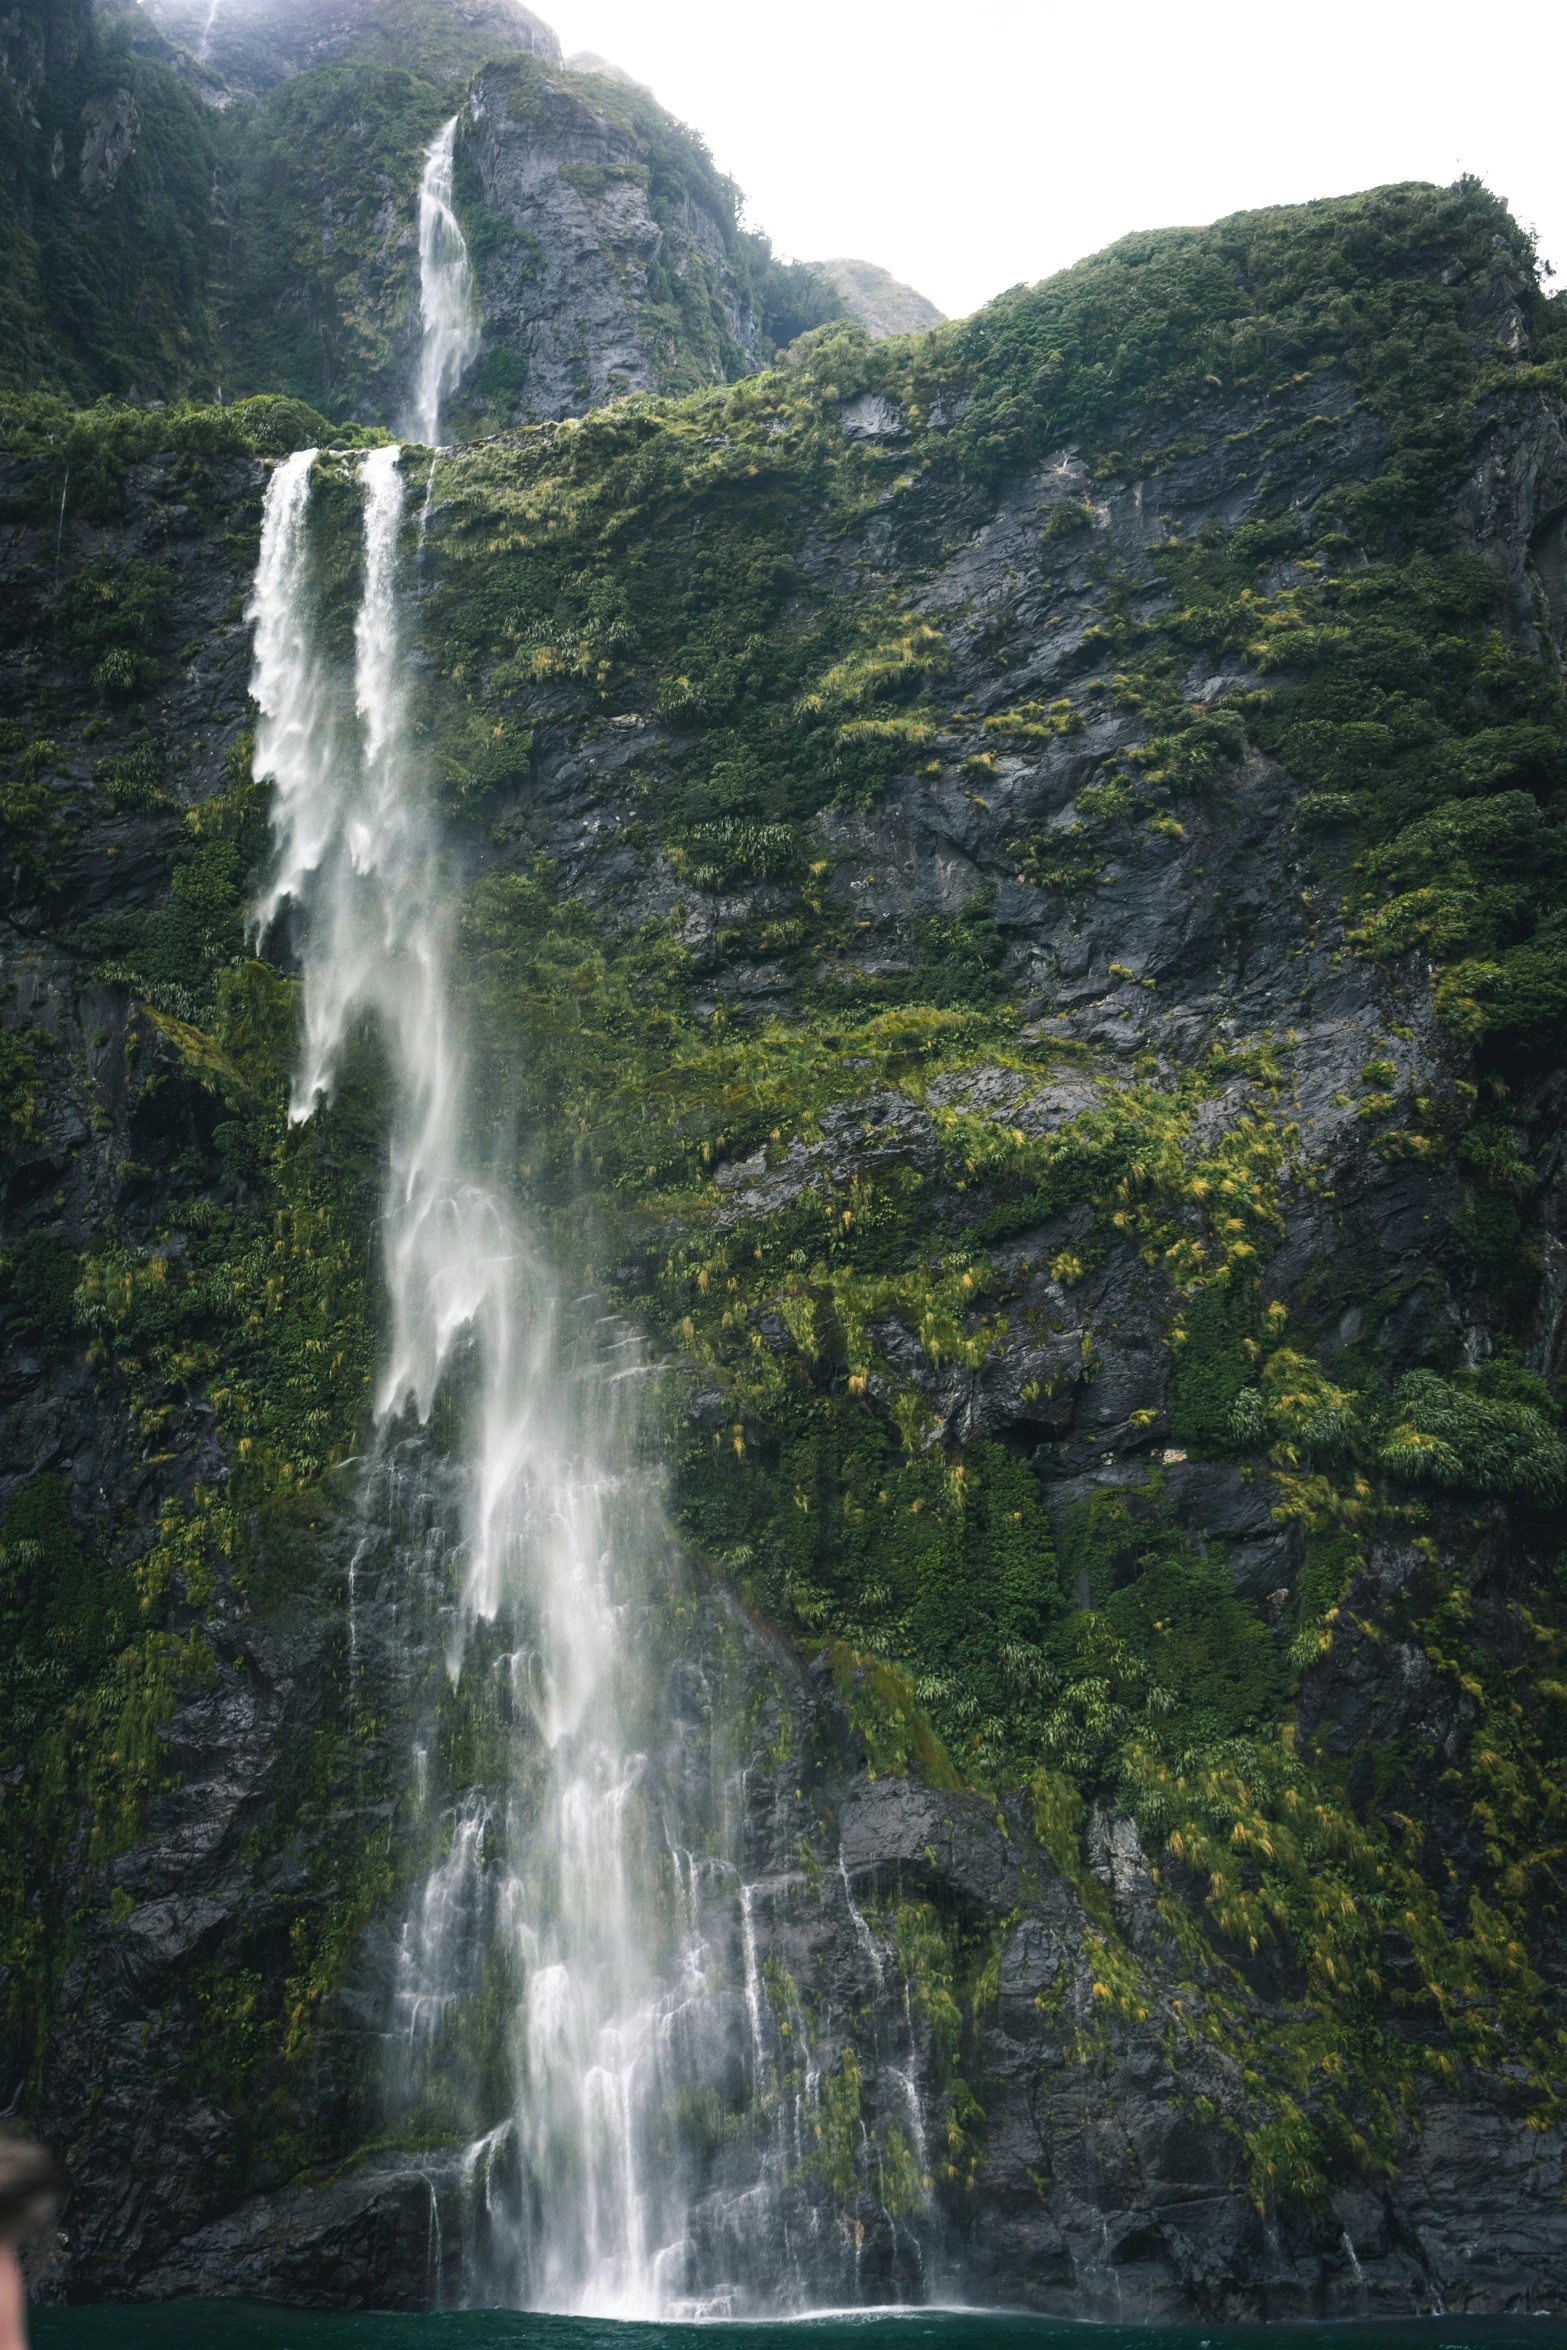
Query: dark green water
point(223, 2325)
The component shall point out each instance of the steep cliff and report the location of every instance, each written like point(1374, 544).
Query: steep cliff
point(607, 249)
point(1013, 921)
point(209, 202)
point(107, 173)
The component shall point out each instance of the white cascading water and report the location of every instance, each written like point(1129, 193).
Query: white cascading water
point(359, 860)
point(446, 293)
point(617, 1927)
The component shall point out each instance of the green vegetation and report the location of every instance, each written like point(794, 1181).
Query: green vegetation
point(651, 560)
point(830, 1313)
point(267, 246)
point(1497, 1433)
point(253, 1294)
point(1162, 325)
point(264, 1311)
point(98, 445)
point(60, 1618)
point(111, 286)
point(324, 278)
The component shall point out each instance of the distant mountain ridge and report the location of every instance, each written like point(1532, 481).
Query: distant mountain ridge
point(882, 303)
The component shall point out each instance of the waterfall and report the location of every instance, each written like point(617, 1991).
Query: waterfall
point(639, 2143)
point(549, 1534)
point(359, 858)
point(446, 292)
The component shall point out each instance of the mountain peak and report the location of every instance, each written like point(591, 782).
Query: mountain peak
point(882, 303)
point(589, 61)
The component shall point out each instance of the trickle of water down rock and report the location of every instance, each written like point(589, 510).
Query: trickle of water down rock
point(582, 1890)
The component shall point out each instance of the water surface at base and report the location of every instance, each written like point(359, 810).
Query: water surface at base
point(224, 2325)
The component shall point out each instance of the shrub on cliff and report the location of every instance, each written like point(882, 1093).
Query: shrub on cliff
point(1499, 1436)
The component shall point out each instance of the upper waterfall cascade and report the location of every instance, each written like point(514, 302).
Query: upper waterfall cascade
point(621, 1928)
point(447, 306)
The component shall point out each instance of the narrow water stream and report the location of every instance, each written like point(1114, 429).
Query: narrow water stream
point(447, 309)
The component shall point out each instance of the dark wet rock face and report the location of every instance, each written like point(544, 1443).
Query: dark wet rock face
point(576, 259)
point(965, 2045)
point(1102, 2194)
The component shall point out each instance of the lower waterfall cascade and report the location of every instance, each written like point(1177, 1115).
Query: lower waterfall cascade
point(621, 1931)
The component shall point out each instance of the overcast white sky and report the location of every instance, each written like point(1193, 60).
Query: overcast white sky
point(969, 147)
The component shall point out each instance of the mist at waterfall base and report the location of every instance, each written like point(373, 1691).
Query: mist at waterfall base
point(226, 2326)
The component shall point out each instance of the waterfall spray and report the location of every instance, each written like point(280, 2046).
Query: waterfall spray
point(446, 292)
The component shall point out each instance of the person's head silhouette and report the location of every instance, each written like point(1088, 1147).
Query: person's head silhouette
point(27, 2200)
